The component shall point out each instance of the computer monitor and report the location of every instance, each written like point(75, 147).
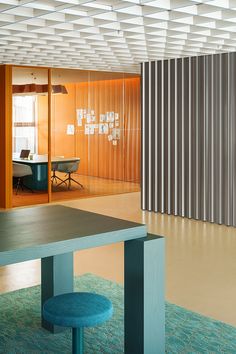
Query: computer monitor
point(24, 154)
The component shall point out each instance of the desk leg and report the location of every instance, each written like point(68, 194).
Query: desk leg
point(144, 296)
point(56, 278)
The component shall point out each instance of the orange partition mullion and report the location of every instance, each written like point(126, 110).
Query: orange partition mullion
point(6, 136)
point(49, 133)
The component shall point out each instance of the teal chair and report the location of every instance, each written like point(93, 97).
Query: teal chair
point(19, 172)
point(54, 177)
point(69, 168)
point(77, 310)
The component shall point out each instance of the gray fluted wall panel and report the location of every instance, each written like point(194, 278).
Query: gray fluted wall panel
point(188, 137)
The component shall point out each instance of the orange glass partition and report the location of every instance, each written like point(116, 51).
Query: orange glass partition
point(96, 120)
point(30, 133)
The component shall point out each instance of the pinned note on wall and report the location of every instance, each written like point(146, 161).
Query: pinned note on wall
point(70, 130)
point(103, 128)
point(89, 129)
point(79, 115)
point(116, 134)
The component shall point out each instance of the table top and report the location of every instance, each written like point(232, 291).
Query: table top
point(43, 159)
point(38, 232)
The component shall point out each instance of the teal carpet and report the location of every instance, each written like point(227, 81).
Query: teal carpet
point(186, 331)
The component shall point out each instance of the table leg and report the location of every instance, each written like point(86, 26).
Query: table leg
point(56, 278)
point(144, 296)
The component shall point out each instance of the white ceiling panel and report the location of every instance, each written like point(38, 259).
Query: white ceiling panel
point(113, 35)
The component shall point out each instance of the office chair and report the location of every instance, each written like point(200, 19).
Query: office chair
point(69, 168)
point(19, 172)
point(54, 177)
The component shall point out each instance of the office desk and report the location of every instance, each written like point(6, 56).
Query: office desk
point(54, 232)
point(39, 166)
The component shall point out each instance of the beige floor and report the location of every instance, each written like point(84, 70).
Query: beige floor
point(200, 258)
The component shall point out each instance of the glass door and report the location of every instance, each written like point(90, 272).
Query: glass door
point(29, 136)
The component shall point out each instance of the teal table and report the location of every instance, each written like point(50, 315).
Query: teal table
point(52, 233)
point(39, 166)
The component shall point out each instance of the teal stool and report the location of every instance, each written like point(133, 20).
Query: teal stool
point(77, 310)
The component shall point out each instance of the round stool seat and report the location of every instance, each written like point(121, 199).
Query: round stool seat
point(77, 309)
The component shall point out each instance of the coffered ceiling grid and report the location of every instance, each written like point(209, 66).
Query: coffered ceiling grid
point(113, 35)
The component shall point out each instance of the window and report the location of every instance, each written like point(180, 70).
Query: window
point(24, 123)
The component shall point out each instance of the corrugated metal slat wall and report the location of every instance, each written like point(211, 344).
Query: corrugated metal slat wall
point(188, 137)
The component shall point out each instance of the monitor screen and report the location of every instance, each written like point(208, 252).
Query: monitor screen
point(24, 154)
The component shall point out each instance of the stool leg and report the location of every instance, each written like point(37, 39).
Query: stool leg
point(77, 340)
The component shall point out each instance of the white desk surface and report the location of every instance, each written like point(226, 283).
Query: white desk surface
point(38, 159)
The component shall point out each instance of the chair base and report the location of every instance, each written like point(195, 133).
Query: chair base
point(69, 179)
point(54, 178)
point(77, 340)
point(20, 184)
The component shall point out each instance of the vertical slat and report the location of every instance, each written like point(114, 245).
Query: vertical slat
point(156, 194)
point(233, 135)
point(179, 133)
point(183, 146)
point(149, 137)
point(229, 141)
point(224, 137)
point(176, 144)
point(208, 115)
point(166, 108)
point(159, 127)
point(197, 146)
point(193, 135)
point(205, 88)
point(220, 141)
point(169, 146)
point(162, 141)
point(190, 142)
point(172, 136)
point(186, 136)
point(212, 128)
point(189, 149)
point(143, 131)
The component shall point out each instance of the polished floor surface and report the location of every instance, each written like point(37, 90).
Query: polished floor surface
point(92, 187)
point(200, 258)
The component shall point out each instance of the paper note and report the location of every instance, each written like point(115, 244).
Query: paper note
point(116, 116)
point(111, 116)
point(88, 118)
point(109, 137)
point(91, 129)
point(103, 128)
point(114, 142)
point(116, 134)
point(79, 115)
point(86, 129)
point(102, 117)
point(70, 129)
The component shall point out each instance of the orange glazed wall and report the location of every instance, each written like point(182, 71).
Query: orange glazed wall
point(99, 157)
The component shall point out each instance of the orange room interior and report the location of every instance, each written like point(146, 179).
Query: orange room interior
point(109, 159)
